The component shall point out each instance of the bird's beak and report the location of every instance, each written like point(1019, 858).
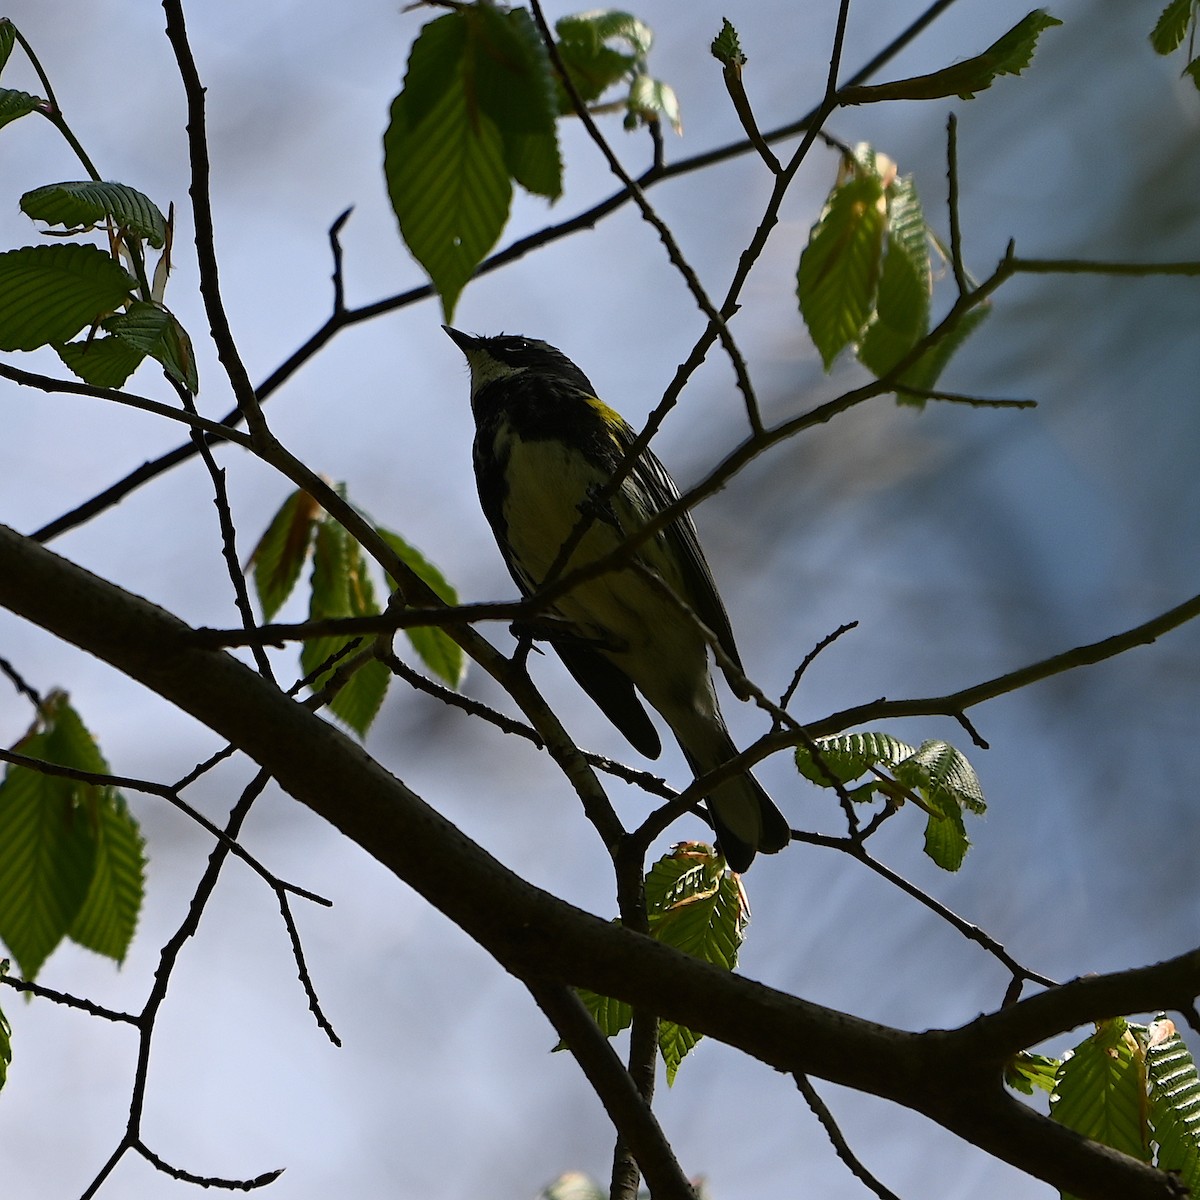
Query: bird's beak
point(464, 341)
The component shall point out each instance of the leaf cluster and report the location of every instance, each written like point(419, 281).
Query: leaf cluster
point(1176, 23)
point(1132, 1087)
point(341, 586)
point(935, 776)
point(695, 905)
point(478, 113)
point(72, 859)
point(48, 294)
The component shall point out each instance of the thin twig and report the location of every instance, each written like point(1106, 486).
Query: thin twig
point(339, 320)
point(628, 1110)
point(810, 657)
point(202, 218)
point(956, 254)
point(837, 1138)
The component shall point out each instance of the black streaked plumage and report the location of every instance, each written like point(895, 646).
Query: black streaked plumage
point(544, 446)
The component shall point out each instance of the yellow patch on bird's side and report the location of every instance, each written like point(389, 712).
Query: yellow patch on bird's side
point(611, 418)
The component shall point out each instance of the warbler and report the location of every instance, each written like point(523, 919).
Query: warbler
point(545, 447)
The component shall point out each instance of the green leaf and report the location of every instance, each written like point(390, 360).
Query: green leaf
point(109, 916)
point(341, 587)
point(444, 161)
point(1101, 1090)
point(612, 1016)
point(514, 85)
point(1027, 1071)
point(101, 361)
point(592, 70)
point(1009, 55)
point(283, 549)
point(937, 770)
point(436, 649)
point(850, 755)
point(86, 203)
point(839, 268)
point(726, 47)
point(901, 317)
point(1172, 25)
point(946, 841)
point(675, 1043)
point(696, 906)
point(151, 329)
point(1174, 1103)
point(1192, 70)
point(925, 372)
point(594, 29)
point(47, 838)
point(651, 100)
point(15, 104)
point(941, 775)
point(49, 293)
point(8, 39)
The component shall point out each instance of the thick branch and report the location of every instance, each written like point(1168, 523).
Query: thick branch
point(954, 1078)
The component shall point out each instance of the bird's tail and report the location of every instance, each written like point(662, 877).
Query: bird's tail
point(745, 817)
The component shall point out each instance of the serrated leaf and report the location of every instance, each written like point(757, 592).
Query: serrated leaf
point(101, 361)
point(1192, 71)
point(15, 104)
point(1174, 1103)
point(726, 47)
point(514, 85)
point(444, 163)
point(1101, 1090)
point(68, 741)
point(592, 71)
point(850, 755)
point(108, 919)
point(151, 329)
point(1028, 1071)
point(675, 1043)
point(937, 770)
point(595, 28)
point(924, 373)
point(941, 775)
point(652, 100)
point(612, 1016)
point(8, 39)
point(901, 317)
point(282, 550)
point(49, 293)
point(946, 841)
point(436, 649)
point(47, 838)
point(839, 268)
point(1008, 55)
point(696, 906)
point(88, 202)
point(341, 587)
point(1172, 25)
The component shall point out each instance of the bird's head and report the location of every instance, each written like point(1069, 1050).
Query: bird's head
point(504, 356)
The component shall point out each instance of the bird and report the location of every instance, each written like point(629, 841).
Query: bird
point(545, 447)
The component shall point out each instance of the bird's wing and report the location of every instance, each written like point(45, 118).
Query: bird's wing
point(699, 591)
point(612, 692)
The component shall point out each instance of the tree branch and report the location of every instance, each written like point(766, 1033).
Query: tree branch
point(954, 1077)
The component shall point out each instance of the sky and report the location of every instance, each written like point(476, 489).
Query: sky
point(965, 541)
